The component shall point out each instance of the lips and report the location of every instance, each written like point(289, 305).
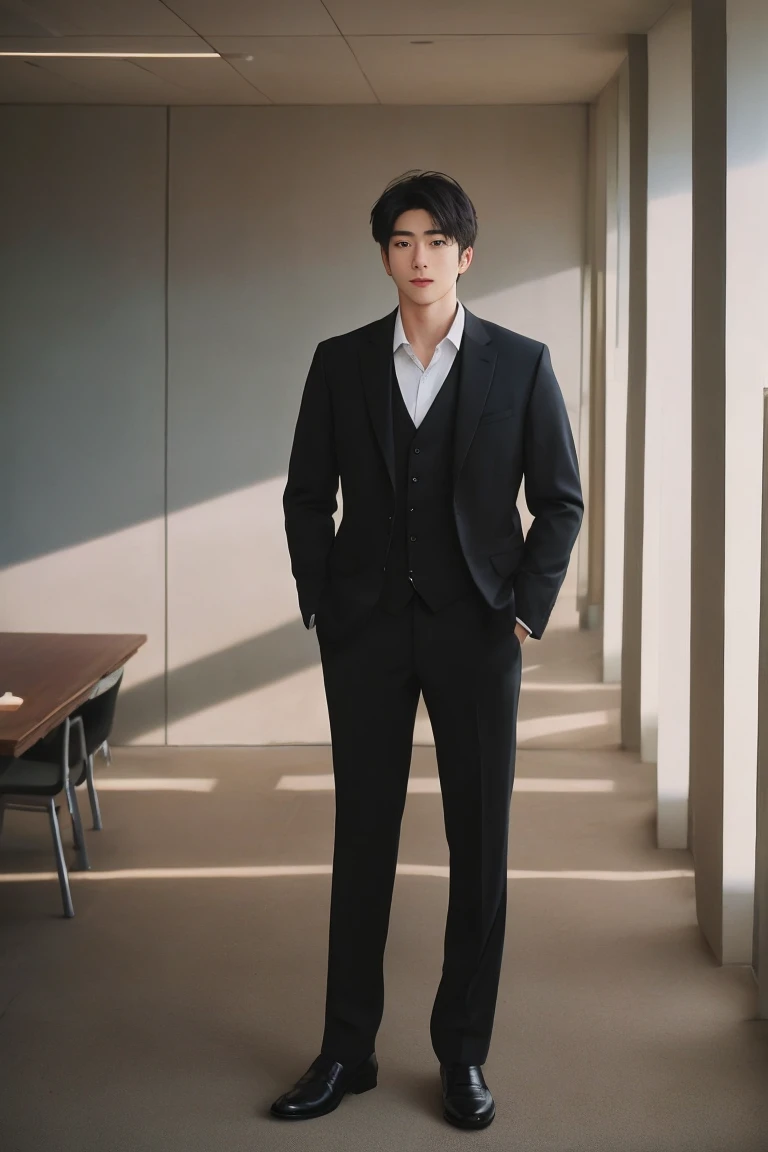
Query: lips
point(422, 281)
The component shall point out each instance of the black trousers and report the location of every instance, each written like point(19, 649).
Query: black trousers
point(466, 661)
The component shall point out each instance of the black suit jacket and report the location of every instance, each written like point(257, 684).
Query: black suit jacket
point(511, 426)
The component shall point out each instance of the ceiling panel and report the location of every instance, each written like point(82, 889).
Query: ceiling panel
point(300, 70)
point(256, 17)
point(478, 17)
point(321, 66)
point(88, 18)
point(489, 70)
point(113, 81)
point(315, 18)
point(189, 43)
point(205, 82)
point(25, 83)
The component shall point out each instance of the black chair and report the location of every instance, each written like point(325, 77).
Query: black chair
point(30, 785)
point(97, 715)
point(31, 782)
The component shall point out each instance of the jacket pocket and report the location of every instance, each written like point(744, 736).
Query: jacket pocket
point(502, 415)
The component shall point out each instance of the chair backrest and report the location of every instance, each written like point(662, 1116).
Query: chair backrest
point(98, 712)
point(50, 749)
point(106, 683)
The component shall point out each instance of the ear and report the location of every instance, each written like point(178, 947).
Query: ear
point(385, 261)
point(466, 260)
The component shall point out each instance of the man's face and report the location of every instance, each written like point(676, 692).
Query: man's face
point(418, 252)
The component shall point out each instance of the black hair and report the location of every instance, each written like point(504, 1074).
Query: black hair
point(443, 197)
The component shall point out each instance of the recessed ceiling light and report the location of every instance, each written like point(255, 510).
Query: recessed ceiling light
point(119, 55)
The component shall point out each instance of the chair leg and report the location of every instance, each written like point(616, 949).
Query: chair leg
point(61, 866)
point(77, 839)
point(106, 752)
point(95, 809)
point(2, 815)
point(77, 826)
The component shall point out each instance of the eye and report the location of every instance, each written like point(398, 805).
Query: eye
point(438, 241)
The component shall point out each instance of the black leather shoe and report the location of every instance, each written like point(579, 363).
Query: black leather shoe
point(323, 1086)
point(467, 1100)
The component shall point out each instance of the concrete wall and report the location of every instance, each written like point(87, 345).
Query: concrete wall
point(82, 382)
point(268, 251)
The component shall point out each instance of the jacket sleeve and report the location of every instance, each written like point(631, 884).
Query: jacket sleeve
point(309, 498)
point(553, 495)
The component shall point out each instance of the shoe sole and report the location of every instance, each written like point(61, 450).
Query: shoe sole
point(357, 1088)
point(470, 1125)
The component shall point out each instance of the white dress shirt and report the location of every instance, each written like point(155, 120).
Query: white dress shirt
point(419, 385)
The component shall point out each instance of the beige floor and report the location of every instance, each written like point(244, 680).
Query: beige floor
point(175, 1006)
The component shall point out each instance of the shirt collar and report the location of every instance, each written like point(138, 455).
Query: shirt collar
point(455, 332)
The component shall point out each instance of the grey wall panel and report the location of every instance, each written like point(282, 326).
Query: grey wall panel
point(82, 378)
point(270, 252)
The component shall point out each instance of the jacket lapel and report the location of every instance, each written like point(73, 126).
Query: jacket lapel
point(478, 360)
point(375, 369)
point(477, 364)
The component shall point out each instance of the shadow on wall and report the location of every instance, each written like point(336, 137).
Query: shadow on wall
point(234, 671)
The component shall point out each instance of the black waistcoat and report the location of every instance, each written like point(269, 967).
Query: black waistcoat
point(425, 555)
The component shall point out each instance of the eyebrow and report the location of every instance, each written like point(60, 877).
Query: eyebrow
point(428, 232)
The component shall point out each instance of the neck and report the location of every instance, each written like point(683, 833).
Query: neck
point(428, 324)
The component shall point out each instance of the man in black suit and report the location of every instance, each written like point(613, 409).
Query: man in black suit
point(431, 418)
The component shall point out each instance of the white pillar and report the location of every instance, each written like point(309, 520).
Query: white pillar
point(746, 325)
point(760, 957)
point(594, 552)
point(588, 287)
point(616, 367)
point(634, 258)
point(730, 371)
point(665, 674)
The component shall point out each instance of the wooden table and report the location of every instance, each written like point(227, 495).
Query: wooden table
point(54, 673)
